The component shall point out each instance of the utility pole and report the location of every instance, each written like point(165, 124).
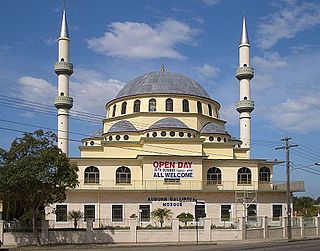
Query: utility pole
point(287, 146)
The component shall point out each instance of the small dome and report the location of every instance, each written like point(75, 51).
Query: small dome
point(97, 133)
point(122, 126)
point(169, 123)
point(163, 82)
point(212, 128)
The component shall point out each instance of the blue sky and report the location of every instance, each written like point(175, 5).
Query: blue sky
point(112, 42)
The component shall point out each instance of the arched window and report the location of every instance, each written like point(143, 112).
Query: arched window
point(123, 175)
point(136, 105)
point(91, 175)
point(264, 174)
point(124, 108)
point(210, 110)
point(214, 176)
point(114, 111)
point(185, 105)
point(199, 107)
point(152, 105)
point(169, 105)
point(244, 176)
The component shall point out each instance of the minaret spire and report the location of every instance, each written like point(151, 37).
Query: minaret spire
point(244, 39)
point(64, 25)
point(63, 102)
point(244, 74)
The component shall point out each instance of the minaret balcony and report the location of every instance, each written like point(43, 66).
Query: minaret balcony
point(63, 102)
point(245, 106)
point(245, 72)
point(63, 68)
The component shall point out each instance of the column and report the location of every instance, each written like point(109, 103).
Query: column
point(176, 230)
point(133, 230)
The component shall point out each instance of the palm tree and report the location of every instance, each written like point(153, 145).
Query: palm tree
point(75, 216)
point(161, 214)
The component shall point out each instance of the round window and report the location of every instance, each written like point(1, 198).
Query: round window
point(189, 135)
point(126, 137)
point(91, 143)
point(154, 134)
point(211, 138)
point(163, 133)
point(148, 134)
point(181, 134)
point(172, 134)
point(117, 137)
point(219, 139)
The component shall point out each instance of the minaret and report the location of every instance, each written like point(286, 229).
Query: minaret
point(63, 102)
point(244, 74)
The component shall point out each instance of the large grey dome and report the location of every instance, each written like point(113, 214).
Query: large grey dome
point(160, 82)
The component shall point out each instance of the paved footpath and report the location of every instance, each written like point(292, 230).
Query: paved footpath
point(253, 245)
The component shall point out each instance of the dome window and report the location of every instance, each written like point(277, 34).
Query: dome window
point(181, 134)
point(124, 108)
point(189, 135)
point(136, 106)
point(163, 133)
point(126, 137)
point(169, 105)
point(211, 138)
point(154, 134)
point(199, 107)
point(91, 143)
point(118, 137)
point(148, 134)
point(219, 139)
point(110, 138)
point(152, 105)
point(172, 134)
point(185, 105)
point(210, 110)
point(114, 111)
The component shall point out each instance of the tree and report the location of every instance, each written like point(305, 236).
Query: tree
point(36, 173)
point(75, 216)
point(305, 205)
point(185, 217)
point(161, 214)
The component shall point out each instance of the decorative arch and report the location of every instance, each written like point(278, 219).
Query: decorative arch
point(210, 110)
point(123, 175)
point(244, 176)
point(199, 107)
point(264, 174)
point(169, 105)
point(185, 105)
point(124, 107)
point(214, 176)
point(152, 105)
point(91, 175)
point(136, 105)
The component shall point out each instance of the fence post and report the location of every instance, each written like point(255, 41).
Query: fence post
point(175, 230)
point(302, 226)
point(242, 226)
point(265, 227)
point(318, 224)
point(284, 225)
point(133, 230)
point(207, 229)
point(45, 231)
point(1, 231)
point(89, 231)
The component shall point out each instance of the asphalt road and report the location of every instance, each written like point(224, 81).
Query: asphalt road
point(307, 245)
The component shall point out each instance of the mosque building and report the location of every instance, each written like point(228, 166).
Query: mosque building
point(164, 145)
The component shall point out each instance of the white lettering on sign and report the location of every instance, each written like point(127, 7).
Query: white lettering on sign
point(172, 169)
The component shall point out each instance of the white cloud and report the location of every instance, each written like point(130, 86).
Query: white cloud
point(211, 2)
point(90, 91)
point(291, 18)
point(141, 41)
point(208, 70)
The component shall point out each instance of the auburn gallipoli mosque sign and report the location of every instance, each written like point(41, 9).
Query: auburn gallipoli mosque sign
point(173, 169)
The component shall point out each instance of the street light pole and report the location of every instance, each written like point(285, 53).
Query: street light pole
point(197, 218)
point(287, 147)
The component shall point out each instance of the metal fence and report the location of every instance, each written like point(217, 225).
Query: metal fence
point(19, 226)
